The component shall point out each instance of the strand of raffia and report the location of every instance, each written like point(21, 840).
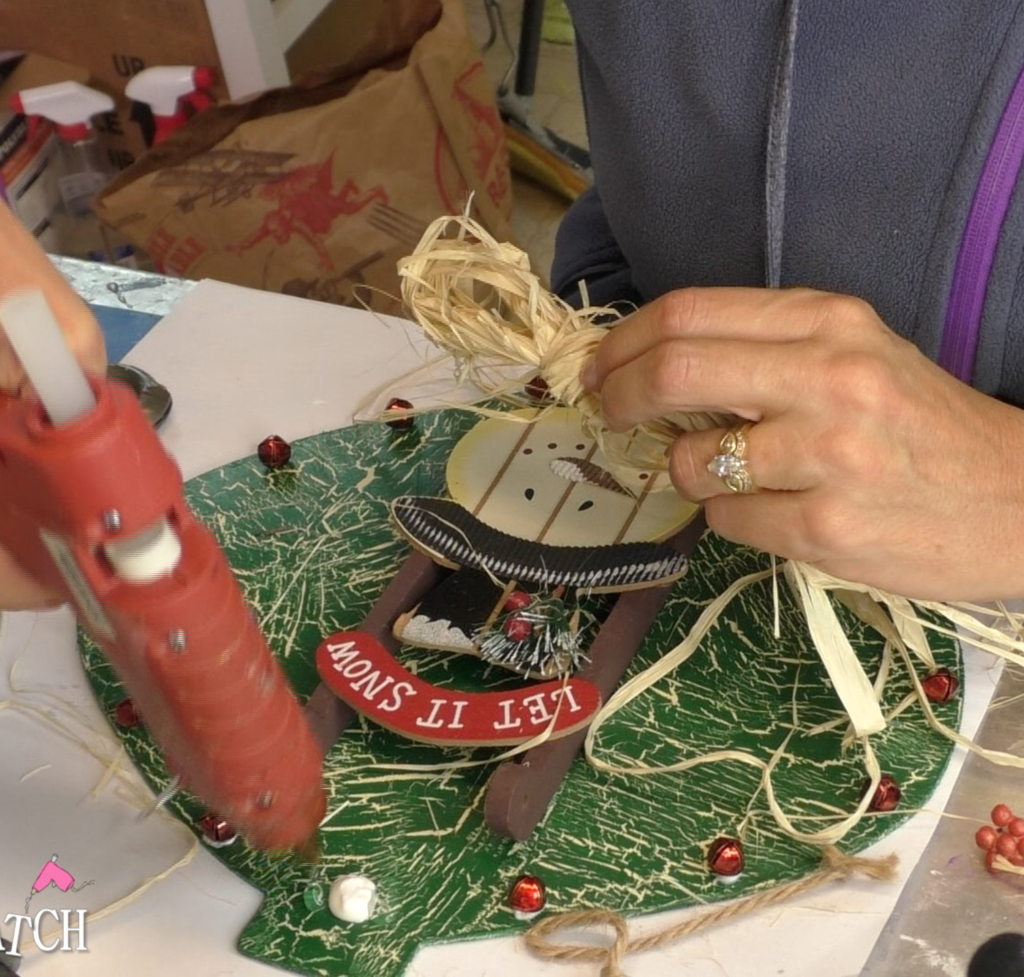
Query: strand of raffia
point(67, 719)
point(835, 867)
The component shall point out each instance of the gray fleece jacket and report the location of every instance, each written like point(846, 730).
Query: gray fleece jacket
point(905, 143)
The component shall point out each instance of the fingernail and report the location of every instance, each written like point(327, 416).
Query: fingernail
point(589, 374)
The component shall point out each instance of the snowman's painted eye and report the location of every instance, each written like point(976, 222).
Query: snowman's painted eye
point(586, 473)
point(529, 494)
point(586, 505)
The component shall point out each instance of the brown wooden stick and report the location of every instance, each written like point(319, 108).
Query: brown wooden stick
point(522, 789)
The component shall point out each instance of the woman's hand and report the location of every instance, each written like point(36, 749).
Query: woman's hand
point(870, 461)
point(24, 265)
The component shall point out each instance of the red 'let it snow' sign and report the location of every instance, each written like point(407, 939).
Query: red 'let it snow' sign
point(360, 670)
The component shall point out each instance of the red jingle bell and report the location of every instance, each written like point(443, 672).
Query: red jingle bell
point(517, 628)
point(396, 404)
point(216, 830)
point(725, 857)
point(528, 895)
point(887, 794)
point(537, 389)
point(274, 452)
point(940, 686)
point(516, 601)
point(126, 714)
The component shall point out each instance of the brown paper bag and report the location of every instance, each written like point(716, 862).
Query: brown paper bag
point(318, 188)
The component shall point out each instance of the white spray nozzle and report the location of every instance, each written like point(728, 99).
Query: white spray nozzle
point(67, 103)
point(161, 87)
point(52, 369)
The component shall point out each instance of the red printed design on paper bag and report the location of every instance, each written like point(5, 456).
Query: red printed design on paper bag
point(486, 147)
point(307, 206)
point(173, 254)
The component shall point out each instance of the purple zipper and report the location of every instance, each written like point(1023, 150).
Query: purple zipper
point(981, 238)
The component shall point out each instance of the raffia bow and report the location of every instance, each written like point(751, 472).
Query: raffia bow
point(477, 299)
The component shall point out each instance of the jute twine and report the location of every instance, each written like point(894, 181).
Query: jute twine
point(478, 300)
point(835, 867)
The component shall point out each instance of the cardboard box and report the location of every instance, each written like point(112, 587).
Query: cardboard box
point(319, 189)
point(112, 40)
point(337, 34)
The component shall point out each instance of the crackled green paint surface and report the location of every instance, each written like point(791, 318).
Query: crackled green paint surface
point(313, 548)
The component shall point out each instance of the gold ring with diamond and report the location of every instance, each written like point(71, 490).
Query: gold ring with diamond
point(730, 464)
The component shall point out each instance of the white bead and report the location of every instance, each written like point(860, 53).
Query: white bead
point(353, 898)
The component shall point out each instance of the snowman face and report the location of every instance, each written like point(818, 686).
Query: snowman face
point(547, 481)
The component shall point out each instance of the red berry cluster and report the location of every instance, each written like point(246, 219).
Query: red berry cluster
point(517, 627)
point(1006, 838)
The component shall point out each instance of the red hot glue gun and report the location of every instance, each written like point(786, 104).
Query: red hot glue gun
point(92, 505)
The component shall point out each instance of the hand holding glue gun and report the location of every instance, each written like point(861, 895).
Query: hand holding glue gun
point(24, 265)
point(92, 508)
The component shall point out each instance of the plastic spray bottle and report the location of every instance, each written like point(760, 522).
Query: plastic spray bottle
point(171, 93)
point(83, 169)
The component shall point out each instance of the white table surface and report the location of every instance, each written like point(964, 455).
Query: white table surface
point(242, 364)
